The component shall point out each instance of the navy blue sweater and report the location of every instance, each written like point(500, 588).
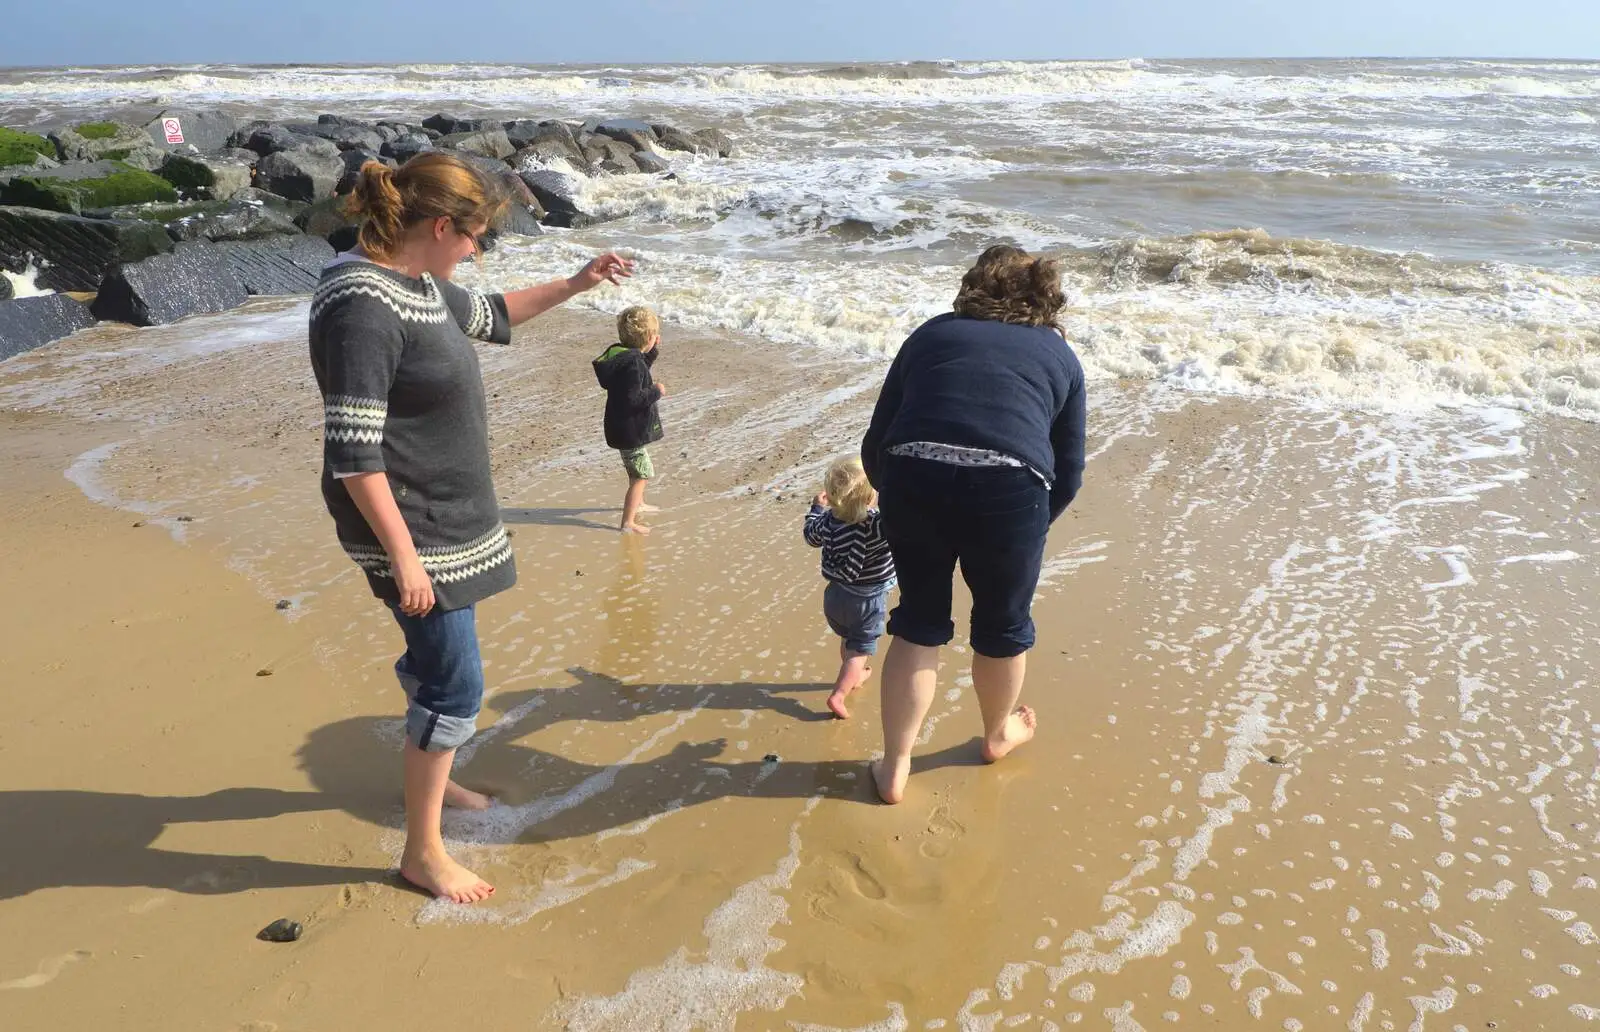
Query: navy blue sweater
point(978, 383)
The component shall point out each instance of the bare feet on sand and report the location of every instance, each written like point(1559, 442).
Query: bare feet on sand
point(836, 700)
point(465, 798)
point(1018, 729)
point(435, 872)
point(891, 785)
point(635, 528)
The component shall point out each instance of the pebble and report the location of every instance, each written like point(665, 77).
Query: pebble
point(264, 672)
point(284, 603)
point(770, 757)
point(1275, 760)
point(185, 519)
point(136, 526)
point(281, 930)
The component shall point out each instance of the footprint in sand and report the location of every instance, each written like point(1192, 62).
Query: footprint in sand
point(867, 885)
point(48, 970)
point(144, 906)
point(942, 831)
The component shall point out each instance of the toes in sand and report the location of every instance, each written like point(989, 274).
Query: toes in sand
point(443, 877)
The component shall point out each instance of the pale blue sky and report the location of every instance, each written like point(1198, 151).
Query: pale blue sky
point(632, 31)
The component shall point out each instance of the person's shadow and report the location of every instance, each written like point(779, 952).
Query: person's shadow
point(543, 796)
point(559, 517)
point(600, 697)
point(59, 838)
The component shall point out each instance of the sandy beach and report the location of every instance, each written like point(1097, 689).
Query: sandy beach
point(1317, 740)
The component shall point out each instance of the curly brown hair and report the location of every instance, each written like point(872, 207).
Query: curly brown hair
point(1007, 284)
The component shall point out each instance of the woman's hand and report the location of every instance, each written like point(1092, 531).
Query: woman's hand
point(608, 268)
point(416, 589)
point(662, 388)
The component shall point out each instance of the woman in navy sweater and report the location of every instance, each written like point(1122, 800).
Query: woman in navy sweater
point(975, 447)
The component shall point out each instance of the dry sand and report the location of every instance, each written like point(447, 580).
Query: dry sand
point(1317, 743)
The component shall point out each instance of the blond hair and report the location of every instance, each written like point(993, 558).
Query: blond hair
point(636, 325)
point(1007, 284)
point(849, 491)
point(429, 186)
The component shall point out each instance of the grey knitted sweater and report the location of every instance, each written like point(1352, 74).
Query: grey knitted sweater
point(402, 394)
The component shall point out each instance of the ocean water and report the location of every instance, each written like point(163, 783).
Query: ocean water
point(1392, 233)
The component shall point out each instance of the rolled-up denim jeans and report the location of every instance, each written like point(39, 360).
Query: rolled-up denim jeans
point(442, 676)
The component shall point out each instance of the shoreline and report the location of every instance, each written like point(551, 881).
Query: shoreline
point(1269, 700)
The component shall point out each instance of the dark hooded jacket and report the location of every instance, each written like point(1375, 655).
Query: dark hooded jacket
point(631, 395)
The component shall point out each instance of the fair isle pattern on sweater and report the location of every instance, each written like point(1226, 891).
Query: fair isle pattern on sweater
point(361, 278)
point(347, 419)
point(403, 396)
point(853, 554)
point(445, 565)
point(482, 319)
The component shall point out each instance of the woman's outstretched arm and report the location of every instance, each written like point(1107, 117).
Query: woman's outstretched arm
point(524, 304)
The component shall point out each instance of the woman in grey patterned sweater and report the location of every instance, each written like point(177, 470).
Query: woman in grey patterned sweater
point(406, 457)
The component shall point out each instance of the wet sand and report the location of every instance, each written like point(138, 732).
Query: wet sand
point(1317, 721)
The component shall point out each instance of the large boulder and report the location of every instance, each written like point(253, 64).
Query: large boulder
point(81, 185)
point(490, 143)
point(558, 194)
point(210, 178)
point(232, 220)
point(349, 137)
point(519, 219)
point(20, 148)
point(209, 132)
point(619, 157)
point(194, 279)
point(500, 176)
point(267, 138)
point(280, 267)
point(637, 135)
point(717, 140)
point(300, 175)
point(325, 218)
point(404, 148)
point(446, 125)
point(648, 161)
point(71, 252)
point(112, 141)
point(671, 138)
point(28, 166)
point(596, 148)
point(29, 322)
point(548, 142)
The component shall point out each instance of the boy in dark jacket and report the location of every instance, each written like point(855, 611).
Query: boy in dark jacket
point(632, 422)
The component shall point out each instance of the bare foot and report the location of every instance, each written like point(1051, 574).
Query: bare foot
point(836, 702)
point(435, 872)
point(1018, 729)
point(891, 786)
point(465, 798)
point(635, 528)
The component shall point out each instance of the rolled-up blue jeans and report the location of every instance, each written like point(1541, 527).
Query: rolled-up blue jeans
point(442, 676)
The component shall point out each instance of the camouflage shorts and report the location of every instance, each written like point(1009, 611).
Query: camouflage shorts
point(637, 462)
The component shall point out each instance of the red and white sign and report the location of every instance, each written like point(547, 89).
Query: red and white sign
point(173, 128)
